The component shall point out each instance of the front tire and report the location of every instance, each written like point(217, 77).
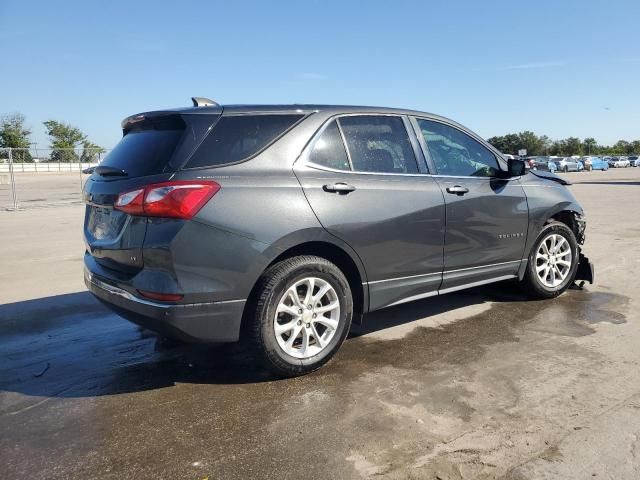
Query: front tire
point(552, 262)
point(301, 316)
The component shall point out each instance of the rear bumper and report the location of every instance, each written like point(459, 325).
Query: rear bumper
point(195, 322)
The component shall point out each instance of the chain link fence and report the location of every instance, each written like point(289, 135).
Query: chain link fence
point(44, 177)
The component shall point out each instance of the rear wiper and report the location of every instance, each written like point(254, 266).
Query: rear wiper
point(106, 171)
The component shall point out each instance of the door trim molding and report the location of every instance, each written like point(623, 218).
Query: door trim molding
point(443, 272)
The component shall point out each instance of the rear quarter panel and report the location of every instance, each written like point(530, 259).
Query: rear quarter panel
point(259, 212)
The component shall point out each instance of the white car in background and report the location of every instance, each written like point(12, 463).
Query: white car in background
point(634, 161)
point(621, 162)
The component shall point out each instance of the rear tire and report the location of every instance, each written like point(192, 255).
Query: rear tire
point(307, 298)
point(548, 274)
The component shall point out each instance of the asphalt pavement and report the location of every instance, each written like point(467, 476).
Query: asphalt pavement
point(476, 384)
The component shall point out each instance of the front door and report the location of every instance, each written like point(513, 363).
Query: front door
point(486, 216)
point(372, 196)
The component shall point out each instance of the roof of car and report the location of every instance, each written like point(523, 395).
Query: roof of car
point(297, 108)
point(282, 108)
point(288, 108)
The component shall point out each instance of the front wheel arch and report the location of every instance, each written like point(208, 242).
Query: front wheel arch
point(530, 283)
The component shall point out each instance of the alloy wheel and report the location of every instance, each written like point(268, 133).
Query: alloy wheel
point(553, 260)
point(307, 317)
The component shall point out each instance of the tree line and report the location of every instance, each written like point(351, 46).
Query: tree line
point(67, 143)
point(66, 140)
point(543, 145)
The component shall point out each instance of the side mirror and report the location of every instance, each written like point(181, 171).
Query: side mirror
point(515, 167)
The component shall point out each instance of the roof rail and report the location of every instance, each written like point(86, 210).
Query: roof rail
point(203, 102)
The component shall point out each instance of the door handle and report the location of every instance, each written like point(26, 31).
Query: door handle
point(339, 188)
point(458, 190)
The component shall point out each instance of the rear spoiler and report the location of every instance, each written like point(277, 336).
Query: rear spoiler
point(202, 106)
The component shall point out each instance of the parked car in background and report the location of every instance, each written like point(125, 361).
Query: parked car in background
point(279, 225)
point(567, 164)
point(543, 164)
point(634, 160)
point(620, 162)
point(595, 163)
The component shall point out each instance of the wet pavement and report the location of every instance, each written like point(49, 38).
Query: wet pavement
point(477, 384)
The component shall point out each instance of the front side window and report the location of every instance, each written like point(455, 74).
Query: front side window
point(236, 138)
point(456, 153)
point(378, 144)
point(328, 150)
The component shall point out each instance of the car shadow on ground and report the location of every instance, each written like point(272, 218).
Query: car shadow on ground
point(72, 346)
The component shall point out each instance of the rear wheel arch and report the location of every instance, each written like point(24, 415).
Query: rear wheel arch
point(331, 252)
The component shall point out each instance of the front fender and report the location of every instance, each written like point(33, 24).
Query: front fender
point(547, 199)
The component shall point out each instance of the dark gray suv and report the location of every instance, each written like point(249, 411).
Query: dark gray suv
point(279, 225)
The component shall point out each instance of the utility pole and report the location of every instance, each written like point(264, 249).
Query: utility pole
point(12, 179)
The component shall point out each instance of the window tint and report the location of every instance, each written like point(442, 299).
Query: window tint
point(456, 153)
point(378, 144)
point(328, 149)
point(147, 149)
point(235, 138)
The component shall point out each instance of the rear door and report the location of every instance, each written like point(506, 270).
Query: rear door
point(364, 179)
point(486, 216)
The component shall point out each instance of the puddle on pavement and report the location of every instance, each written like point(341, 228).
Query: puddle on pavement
point(572, 314)
point(208, 396)
point(111, 356)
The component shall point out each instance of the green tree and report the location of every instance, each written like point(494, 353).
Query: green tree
point(573, 146)
point(558, 147)
point(545, 143)
point(90, 152)
point(589, 145)
point(64, 138)
point(622, 147)
point(531, 142)
point(14, 134)
point(506, 143)
point(635, 145)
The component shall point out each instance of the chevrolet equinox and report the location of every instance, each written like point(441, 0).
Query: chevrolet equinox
point(280, 225)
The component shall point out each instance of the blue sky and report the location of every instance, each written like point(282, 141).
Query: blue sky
point(562, 68)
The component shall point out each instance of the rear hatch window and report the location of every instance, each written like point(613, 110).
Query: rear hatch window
point(237, 138)
point(145, 149)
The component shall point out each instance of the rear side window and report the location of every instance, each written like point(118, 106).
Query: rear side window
point(147, 149)
point(236, 138)
point(328, 150)
point(378, 144)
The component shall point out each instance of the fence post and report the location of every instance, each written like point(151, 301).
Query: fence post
point(80, 173)
point(12, 180)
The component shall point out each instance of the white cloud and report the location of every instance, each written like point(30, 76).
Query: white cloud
point(528, 66)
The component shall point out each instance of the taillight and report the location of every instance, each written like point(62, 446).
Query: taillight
point(163, 297)
point(179, 199)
